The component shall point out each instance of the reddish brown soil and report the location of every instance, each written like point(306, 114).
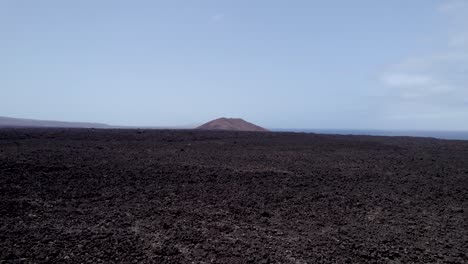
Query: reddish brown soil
point(231, 124)
point(94, 196)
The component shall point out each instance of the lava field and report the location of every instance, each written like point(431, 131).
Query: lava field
point(161, 196)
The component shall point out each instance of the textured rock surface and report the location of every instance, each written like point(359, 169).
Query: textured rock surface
point(73, 196)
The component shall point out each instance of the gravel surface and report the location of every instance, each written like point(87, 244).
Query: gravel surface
point(133, 196)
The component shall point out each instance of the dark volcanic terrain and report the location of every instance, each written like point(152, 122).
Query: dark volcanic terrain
point(131, 196)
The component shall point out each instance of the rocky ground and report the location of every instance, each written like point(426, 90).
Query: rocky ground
point(132, 196)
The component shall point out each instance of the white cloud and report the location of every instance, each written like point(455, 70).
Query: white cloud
point(406, 80)
point(451, 6)
point(457, 13)
point(427, 76)
point(459, 40)
point(217, 17)
point(436, 85)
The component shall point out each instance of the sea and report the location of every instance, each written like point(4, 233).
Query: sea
point(453, 135)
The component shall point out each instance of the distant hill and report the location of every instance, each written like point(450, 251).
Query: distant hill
point(233, 124)
point(21, 122)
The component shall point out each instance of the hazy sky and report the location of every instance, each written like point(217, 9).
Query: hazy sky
point(395, 64)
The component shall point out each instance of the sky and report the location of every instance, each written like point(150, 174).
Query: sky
point(329, 64)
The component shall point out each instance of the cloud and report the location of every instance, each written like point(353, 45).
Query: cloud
point(432, 75)
point(457, 12)
point(435, 86)
point(217, 17)
point(453, 6)
point(459, 40)
point(406, 80)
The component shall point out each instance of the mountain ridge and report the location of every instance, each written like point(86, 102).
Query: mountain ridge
point(24, 122)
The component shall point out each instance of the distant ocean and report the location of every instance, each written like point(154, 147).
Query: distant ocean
point(457, 135)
